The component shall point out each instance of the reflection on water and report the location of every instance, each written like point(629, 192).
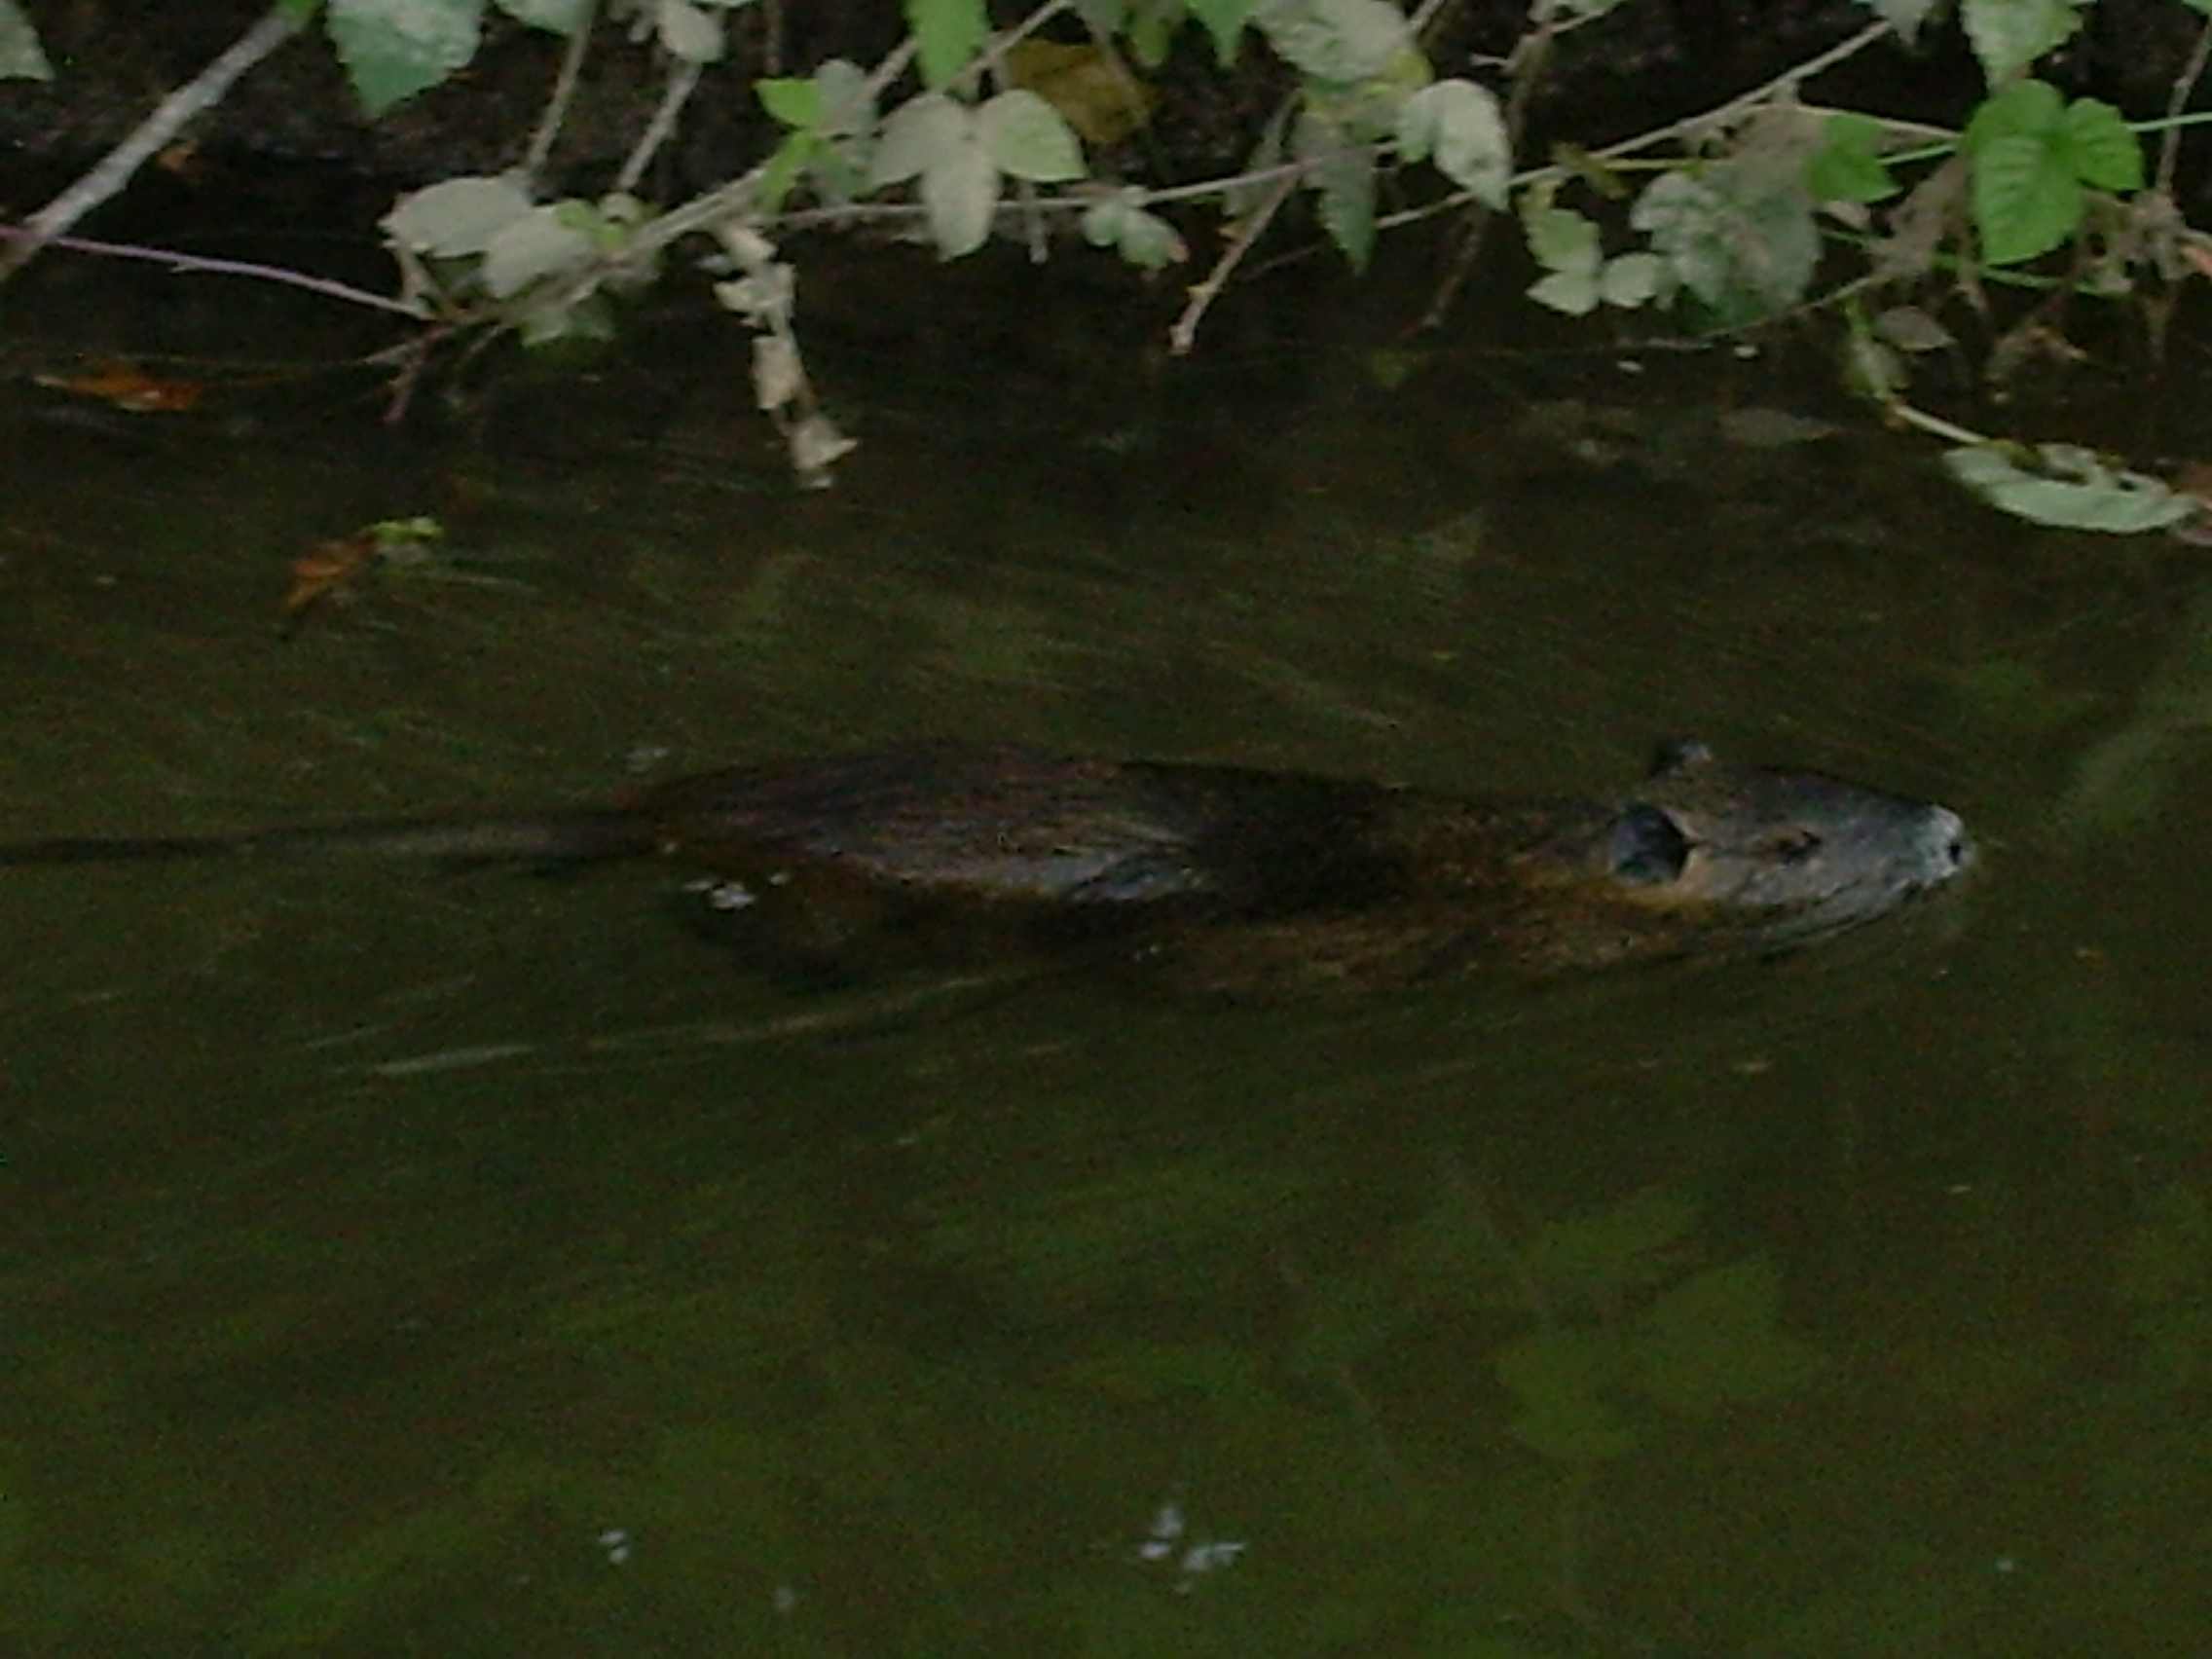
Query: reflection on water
point(481, 1265)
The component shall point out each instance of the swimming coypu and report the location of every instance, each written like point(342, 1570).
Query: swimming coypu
point(1222, 876)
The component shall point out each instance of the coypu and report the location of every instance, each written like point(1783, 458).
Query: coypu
point(1221, 876)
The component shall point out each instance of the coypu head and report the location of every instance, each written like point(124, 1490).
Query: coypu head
point(1784, 856)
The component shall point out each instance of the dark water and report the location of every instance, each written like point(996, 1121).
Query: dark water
point(405, 1263)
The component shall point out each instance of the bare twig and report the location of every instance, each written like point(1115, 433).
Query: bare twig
point(993, 56)
point(1685, 126)
point(194, 262)
point(1906, 415)
point(563, 91)
point(2169, 149)
point(679, 86)
point(1789, 80)
point(114, 171)
point(1185, 333)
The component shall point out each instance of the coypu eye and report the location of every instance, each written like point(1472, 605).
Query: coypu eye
point(1645, 846)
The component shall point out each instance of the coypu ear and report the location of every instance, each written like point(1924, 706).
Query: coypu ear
point(1644, 846)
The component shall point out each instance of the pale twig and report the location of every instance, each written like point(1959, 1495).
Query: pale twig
point(993, 54)
point(1688, 124)
point(114, 171)
point(1906, 414)
point(195, 262)
point(563, 91)
point(1788, 81)
point(679, 86)
point(1185, 333)
point(2169, 150)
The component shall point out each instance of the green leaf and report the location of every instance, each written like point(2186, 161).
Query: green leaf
point(2008, 35)
point(847, 103)
point(1224, 21)
point(1345, 177)
point(395, 49)
point(1870, 368)
point(588, 318)
point(2104, 152)
point(1904, 15)
point(543, 243)
point(2033, 109)
point(607, 235)
point(1152, 30)
point(2066, 487)
point(949, 34)
point(1574, 292)
point(1145, 239)
point(1740, 238)
point(20, 56)
point(1026, 136)
point(1461, 124)
point(793, 100)
point(1342, 41)
point(839, 166)
point(2031, 154)
point(961, 190)
point(1562, 239)
point(688, 32)
point(1148, 242)
point(916, 135)
point(2026, 198)
point(783, 168)
point(1630, 281)
point(1848, 167)
point(456, 216)
point(559, 17)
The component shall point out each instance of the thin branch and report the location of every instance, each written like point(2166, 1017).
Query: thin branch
point(563, 92)
point(680, 87)
point(1685, 126)
point(2169, 150)
point(1786, 80)
point(114, 171)
point(993, 56)
point(1906, 414)
point(1185, 333)
point(195, 262)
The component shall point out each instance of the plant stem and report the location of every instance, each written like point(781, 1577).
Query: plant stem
point(2185, 83)
point(114, 171)
point(1934, 424)
point(563, 91)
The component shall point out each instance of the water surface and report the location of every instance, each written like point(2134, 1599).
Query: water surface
point(399, 1261)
